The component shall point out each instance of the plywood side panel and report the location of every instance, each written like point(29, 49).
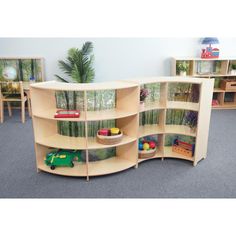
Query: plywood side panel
point(204, 120)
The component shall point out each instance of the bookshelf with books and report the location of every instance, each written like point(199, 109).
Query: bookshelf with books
point(223, 70)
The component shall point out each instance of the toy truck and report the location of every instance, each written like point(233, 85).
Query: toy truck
point(62, 158)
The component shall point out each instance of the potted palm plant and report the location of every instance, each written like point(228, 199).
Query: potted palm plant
point(78, 65)
point(77, 68)
point(182, 68)
point(233, 69)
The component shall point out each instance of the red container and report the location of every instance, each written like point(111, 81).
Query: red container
point(67, 114)
point(104, 132)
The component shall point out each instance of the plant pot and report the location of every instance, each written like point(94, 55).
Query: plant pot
point(182, 73)
point(141, 105)
point(233, 72)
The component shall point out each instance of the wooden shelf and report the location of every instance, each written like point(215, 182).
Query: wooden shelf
point(183, 105)
point(218, 90)
point(126, 115)
point(226, 105)
point(214, 75)
point(93, 144)
point(168, 79)
point(146, 130)
point(153, 106)
point(108, 114)
point(168, 153)
point(179, 129)
point(61, 86)
point(222, 71)
point(63, 142)
point(159, 154)
point(79, 169)
point(49, 114)
point(110, 165)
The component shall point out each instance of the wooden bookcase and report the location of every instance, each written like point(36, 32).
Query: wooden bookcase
point(126, 114)
point(218, 69)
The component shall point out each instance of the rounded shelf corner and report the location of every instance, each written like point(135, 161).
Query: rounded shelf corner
point(79, 170)
point(168, 153)
point(109, 166)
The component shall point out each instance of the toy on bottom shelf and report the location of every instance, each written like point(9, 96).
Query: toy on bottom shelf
point(109, 136)
point(183, 148)
point(62, 158)
point(147, 148)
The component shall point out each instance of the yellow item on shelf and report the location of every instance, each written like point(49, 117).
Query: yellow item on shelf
point(145, 146)
point(115, 131)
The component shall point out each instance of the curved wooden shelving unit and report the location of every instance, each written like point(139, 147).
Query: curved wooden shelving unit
point(126, 115)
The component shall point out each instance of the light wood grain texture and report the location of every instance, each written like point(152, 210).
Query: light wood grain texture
point(169, 153)
point(60, 86)
point(159, 154)
point(179, 129)
point(183, 105)
point(204, 116)
point(108, 114)
point(126, 114)
point(152, 106)
point(146, 130)
point(49, 114)
point(63, 142)
point(93, 144)
point(108, 166)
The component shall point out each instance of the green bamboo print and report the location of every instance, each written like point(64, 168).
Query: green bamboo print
point(25, 68)
point(154, 92)
point(102, 154)
point(149, 117)
point(169, 139)
point(101, 100)
point(183, 92)
point(176, 117)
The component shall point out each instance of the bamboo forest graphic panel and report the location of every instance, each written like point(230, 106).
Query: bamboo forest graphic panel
point(153, 92)
point(149, 117)
point(169, 139)
point(26, 69)
point(71, 100)
point(101, 154)
point(183, 92)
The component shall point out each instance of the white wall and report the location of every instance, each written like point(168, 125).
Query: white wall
point(115, 58)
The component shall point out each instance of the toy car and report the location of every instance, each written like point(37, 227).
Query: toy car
point(62, 158)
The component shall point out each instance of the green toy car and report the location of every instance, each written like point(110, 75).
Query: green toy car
point(62, 158)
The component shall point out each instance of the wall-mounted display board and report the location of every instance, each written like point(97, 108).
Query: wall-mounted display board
point(162, 117)
point(22, 69)
point(222, 70)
